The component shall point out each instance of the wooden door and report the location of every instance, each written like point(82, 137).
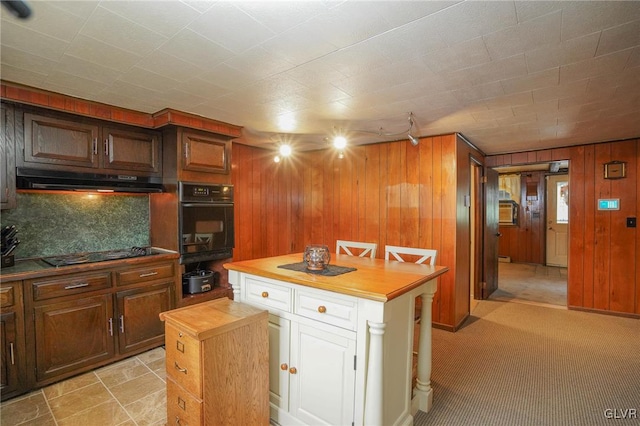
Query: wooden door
point(557, 220)
point(491, 234)
point(131, 150)
point(71, 336)
point(279, 334)
point(8, 159)
point(319, 356)
point(204, 153)
point(8, 346)
point(60, 142)
point(137, 317)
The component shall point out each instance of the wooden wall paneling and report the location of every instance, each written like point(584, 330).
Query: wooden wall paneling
point(410, 221)
point(587, 213)
point(576, 269)
point(359, 183)
point(602, 260)
point(438, 225)
point(333, 204)
point(624, 257)
point(558, 154)
point(425, 201)
point(296, 197)
point(519, 158)
point(544, 155)
point(315, 188)
point(636, 231)
point(384, 196)
point(532, 157)
point(449, 229)
point(371, 194)
point(394, 194)
point(240, 177)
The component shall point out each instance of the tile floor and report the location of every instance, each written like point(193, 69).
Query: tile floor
point(127, 393)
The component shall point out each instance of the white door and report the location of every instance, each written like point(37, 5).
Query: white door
point(323, 379)
point(557, 220)
point(278, 356)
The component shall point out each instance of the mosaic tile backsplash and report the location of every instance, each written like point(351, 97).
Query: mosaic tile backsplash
point(56, 224)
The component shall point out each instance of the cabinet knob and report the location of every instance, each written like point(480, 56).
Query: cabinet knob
point(265, 294)
point(293, 370)
point(284, 366)
point(322, 309)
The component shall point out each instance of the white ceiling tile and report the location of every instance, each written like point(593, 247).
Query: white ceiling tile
point(619, 38)
point(550, 107)
point(203, 88)
point(540, 80)
point(281, 16)
point(258, 63)
point(524, 98)
point(476, 93)
point(164, 17)
point(567, 52)
point(92, 50)
point(196, 49)
point(567, 90)
point(88, 70)
point(462, 55)
point(231, 27)
point(410, 10)
point(32, 42)
point(81, 85)
point(148, 79)
point(634, 59)
point(601, 65)
point(493, 114)
point(527, 10)
point(28, 77)
point(169, 66)
point(199, 5)
point(51, 21)
point(227, 77)
point(512, 67)
point(524, 36)
point(580, 18)
point(26, 60)
point(82, 9)
point(114, 30)
point(298, 46)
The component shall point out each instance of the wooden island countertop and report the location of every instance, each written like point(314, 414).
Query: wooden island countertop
point(374, 279)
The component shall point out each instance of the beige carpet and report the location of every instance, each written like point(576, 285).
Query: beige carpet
point(520, 364)
point(525, 282)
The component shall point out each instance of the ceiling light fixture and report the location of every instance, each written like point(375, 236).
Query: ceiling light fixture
point(340, 142)
point(285, 150)
point(414, 141)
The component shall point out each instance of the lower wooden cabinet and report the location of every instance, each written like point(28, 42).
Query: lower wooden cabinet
point(86, 320)
point(217, 360)
point(12, 341)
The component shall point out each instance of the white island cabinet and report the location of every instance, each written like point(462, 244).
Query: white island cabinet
point(340, 347)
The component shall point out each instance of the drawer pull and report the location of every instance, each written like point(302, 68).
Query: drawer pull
point(284, 366)
point(265, 294)
point(110, 326)
point(322, 309)
point(180, 369)
point(72, 286)
point(148, 274)
point(13, 361)
point(293, 370)
point(177, 420)
point(121, 323)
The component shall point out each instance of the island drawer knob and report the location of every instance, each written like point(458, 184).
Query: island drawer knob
point(322, 309)
point(284, 366)
point(293, 370)
point(265, 294)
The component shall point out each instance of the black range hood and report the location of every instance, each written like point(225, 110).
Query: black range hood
point(27, 178)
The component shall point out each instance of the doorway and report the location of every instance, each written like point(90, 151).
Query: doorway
point(533, 251)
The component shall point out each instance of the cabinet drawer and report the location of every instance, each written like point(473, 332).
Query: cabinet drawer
point(268, 295)
point(182, 407)
point(328, 309)
point(144, 273)
point(183, 360)
point(7, 297)
point(70, 285)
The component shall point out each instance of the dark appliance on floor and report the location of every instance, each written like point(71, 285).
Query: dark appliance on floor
point(199, 281)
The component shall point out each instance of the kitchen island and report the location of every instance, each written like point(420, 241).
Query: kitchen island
point(341, 346)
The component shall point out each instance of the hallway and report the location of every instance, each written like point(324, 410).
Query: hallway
point(531, 283)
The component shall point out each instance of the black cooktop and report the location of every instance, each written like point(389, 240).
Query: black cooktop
point(100, 256)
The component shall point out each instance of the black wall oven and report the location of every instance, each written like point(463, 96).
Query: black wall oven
point(206, 222)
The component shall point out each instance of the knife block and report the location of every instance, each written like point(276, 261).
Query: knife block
point(7, 261)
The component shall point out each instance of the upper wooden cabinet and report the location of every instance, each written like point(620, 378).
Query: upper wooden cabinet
point(81, 144)
point(196, 156)
point(7, 159)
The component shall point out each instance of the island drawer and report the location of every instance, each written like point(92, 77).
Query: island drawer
point(69, 285)
point(268, 295)
point(319, 306)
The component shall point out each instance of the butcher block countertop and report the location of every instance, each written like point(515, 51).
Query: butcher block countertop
point(374, 279)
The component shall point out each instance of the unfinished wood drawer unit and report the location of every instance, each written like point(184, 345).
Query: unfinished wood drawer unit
point(217, 360)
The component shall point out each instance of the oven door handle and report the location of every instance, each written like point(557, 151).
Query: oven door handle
point(207, 204)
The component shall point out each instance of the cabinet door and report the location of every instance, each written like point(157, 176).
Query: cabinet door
point(279, 333)
point(204, 153)
point(131, 150)
point(8, 345)
point(60, 142)
point(138, 317)
point(71, 336)
point(8, 159)
point(323, 379)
